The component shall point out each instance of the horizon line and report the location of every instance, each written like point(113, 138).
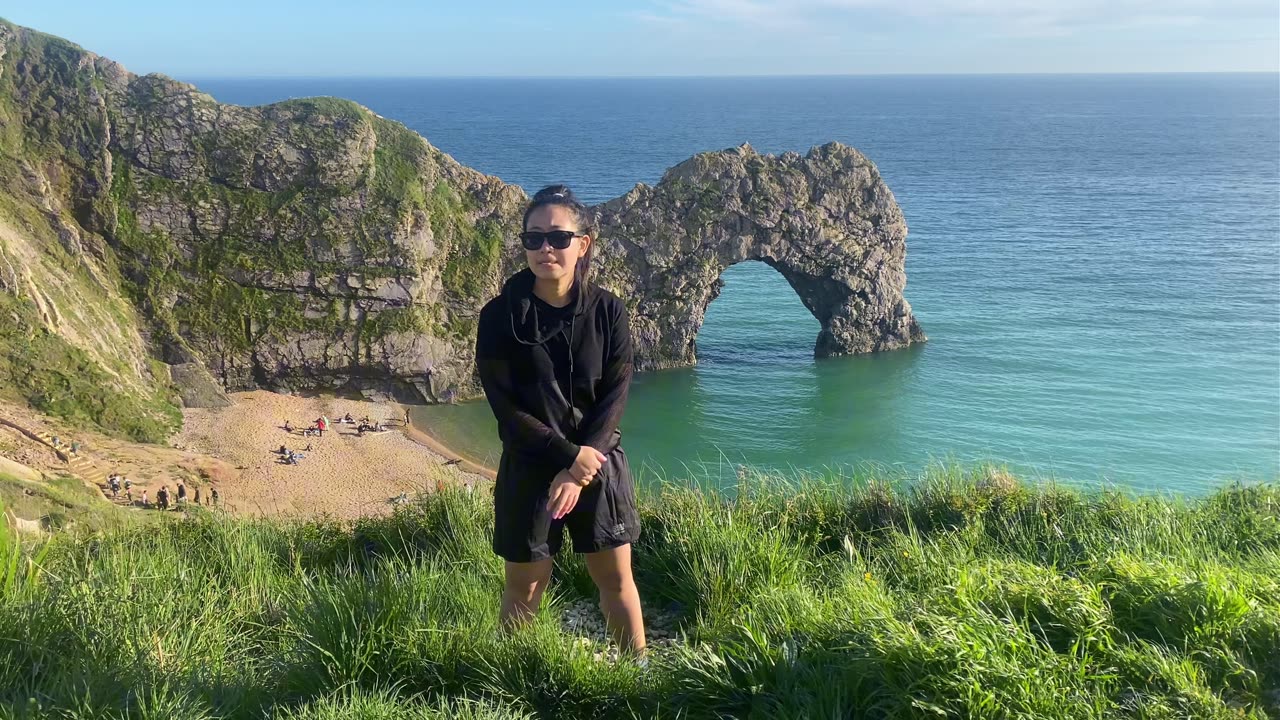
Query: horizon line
point(779, 76)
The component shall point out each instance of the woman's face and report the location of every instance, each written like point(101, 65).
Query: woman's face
point(547, 262)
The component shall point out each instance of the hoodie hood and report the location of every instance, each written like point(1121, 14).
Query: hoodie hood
point(526, 326)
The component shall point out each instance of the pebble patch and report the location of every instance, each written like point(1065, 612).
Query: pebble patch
point(583, 619)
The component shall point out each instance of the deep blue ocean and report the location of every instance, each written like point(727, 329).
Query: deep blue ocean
point(1095, 259)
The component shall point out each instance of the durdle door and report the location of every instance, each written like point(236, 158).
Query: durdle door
point(825, 221)
point(314, 244)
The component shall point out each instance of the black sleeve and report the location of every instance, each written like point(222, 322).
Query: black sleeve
point(516, 426)
point(602, 421)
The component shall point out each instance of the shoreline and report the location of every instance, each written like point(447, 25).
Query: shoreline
point(432, 443)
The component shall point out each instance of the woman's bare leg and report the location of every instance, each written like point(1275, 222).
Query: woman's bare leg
point(523, 592)
point(619, 599)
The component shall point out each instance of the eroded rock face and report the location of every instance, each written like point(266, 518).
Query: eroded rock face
point(314, 244)
point(825, 221)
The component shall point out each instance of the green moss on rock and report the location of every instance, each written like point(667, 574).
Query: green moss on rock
point(476, 247)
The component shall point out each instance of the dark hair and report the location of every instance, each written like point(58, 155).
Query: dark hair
point(563, 196)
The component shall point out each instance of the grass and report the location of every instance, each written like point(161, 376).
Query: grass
point(61, 503)
point(58, 378)
point(964, 594)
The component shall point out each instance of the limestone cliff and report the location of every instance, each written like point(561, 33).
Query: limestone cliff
point(825, 221)
point(314, 244)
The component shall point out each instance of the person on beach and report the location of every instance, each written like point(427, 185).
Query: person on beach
point(553, 352)
point(197, 496)
point(145, 502)
point(162, 497)
point(182, 493)
point(213, 496)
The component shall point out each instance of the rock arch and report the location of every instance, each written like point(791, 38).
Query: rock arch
point(825, 221)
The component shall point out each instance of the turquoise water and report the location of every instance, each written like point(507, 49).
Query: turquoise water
point(1096, 261)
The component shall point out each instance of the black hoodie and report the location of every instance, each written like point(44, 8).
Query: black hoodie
point(555, 385)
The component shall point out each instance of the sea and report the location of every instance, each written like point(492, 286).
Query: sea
point(1094, 258)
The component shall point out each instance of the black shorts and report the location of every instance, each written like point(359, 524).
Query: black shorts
point(523, 531)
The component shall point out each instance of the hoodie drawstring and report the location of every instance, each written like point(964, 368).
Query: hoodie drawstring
point(578, 301)
point(573, 410)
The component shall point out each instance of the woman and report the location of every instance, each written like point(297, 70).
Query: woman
point(553, 352)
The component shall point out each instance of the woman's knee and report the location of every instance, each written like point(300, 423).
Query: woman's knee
point(526, 581)
point(612, 584)
point(523, 594)
point(611, 571)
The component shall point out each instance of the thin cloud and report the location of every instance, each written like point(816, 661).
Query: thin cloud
point(741, 12)
point(1055, 17)
point(669, 22)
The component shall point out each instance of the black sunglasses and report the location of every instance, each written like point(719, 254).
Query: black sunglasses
point(559, 239)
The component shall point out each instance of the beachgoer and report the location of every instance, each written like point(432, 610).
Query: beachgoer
point(562, 463)
point(283, 450)
point(145, 502)
point(197, 496)
point(287, 427)
point(348, 419)
point(320, 427)
point(182, 493)
point(56, 441)
point(75, 447)
point(162, 497)
point(307, 448)
point(213, 496)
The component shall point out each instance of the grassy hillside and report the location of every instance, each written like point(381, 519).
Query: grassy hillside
point(61, 379)
point(71, 344)
point(968, 596)
point(62, 503)
point(304, 244)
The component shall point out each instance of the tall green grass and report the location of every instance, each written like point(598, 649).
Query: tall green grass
point(965, 594)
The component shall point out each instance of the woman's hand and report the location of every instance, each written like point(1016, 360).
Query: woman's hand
point(588, 463)
point(563, 495)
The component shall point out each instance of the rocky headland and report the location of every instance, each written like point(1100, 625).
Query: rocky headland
point(159, 248)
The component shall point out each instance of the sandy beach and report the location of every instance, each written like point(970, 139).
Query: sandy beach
point(343, 474)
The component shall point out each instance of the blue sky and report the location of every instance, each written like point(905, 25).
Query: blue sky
point(665, 37)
